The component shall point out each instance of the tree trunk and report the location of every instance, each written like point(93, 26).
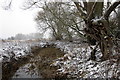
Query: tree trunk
point(100, 30)
point(118, 19)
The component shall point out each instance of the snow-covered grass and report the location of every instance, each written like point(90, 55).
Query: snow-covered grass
point(16, 49)
point(74, 63)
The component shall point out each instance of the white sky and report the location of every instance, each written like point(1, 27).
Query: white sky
point(16, 20)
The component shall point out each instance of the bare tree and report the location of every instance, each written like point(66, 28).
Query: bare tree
point(98, 28)
point(61, 19)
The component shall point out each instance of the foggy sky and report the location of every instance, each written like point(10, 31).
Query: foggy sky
point(16, 20)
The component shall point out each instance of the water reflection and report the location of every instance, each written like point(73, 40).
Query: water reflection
point(25, 72)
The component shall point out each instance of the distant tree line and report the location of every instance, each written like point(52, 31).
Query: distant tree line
point(26, 36)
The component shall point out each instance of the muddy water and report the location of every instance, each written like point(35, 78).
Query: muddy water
point(39, 65)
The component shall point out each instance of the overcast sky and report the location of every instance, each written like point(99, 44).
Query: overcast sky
point(16, 20)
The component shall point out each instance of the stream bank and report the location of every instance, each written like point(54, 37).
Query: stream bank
point(73, 63)
point(38, 64)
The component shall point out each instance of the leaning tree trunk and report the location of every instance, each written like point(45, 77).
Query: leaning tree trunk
point(106, 41)
point(99, 32)
point(98, 29)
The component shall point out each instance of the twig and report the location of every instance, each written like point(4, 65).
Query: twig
point(92, 11)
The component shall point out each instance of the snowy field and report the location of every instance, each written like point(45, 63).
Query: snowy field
point(74, 64)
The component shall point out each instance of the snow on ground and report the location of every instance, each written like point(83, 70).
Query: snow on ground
point(16, 49)
point(75, 62)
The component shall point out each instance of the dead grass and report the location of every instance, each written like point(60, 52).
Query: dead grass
point(47, 56)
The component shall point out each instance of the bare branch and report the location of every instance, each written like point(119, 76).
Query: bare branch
point(7, 5)
point(110, 9)
point(31, 5)
point(79, 9)
point(92, 11)
point(85, 4)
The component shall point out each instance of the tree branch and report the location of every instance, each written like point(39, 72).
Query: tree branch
point(92, 11)
point(110, 9)
point(79, 9)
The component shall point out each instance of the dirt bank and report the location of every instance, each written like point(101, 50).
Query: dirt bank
point(40, 57)
point(46, 57)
